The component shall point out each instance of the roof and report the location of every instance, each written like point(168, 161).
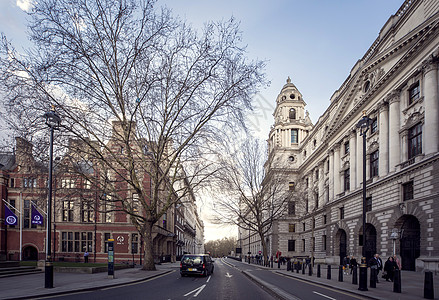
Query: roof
point(7, 161)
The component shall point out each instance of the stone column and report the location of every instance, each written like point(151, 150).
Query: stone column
point(336, 170)
point(331, 175)
point(394, 125)
point(353, 159)
point(359, 159)
point(431, 125)
point(383, 167)
point(404, 146)
point(321, 183)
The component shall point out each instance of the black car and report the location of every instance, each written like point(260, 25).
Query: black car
point(200, 264)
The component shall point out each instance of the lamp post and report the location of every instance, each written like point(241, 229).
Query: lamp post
point(394, 236)
point(363, 126)
point(53, 121)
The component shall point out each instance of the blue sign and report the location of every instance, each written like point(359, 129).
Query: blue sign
point(37, 218)
point(10, 217)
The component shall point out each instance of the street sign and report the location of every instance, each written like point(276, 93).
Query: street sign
point(110, 258)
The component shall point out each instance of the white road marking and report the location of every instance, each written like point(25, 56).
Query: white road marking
point(197, 290)
point(208, 279)
point(228, 275)
point(324, 295)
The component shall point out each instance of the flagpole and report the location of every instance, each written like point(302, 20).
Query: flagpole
point(21, 223)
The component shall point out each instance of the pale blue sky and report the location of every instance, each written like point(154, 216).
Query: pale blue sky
point(315, 42)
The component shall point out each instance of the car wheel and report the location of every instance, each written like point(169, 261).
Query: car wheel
point(205, 273)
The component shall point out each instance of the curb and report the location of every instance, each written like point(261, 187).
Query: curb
point(66, 292)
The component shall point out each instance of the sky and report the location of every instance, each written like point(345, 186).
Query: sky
point(315, 43)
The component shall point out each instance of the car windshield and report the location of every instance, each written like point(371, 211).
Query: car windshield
point(192, 259)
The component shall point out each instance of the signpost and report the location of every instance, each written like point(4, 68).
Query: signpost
point(111, 258)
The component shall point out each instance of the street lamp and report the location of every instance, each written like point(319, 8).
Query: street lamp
point(53, 121)
point(363, 126)
point(394, 236)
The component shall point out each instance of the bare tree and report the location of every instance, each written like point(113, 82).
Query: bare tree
point(145, 98)
point(255, 199)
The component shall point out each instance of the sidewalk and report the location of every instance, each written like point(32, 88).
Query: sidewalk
point(412, 283)
point(32, 286)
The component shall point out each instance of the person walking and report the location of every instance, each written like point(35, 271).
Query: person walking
point(379, 264)
point(346, 262)
point(389, 269)
point(353, 263)
point(86, 257)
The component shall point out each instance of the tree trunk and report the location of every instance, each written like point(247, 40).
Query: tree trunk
point(149, 246)
point(264, 248)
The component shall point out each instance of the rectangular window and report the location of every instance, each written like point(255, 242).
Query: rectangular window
point(317, 174)
point(108, 209)
point(341, 210)
point(291, 207)
point(87, 211)
point(325, 219)
point(347, 179)
point(414, 93)
point(291, 186)
point(324, 242)
point(368, 204)
point(67, 183)
point(291, 245)
point(67, 211)
point(327, 194)
point(27, 215)
point(107, 236)
point(134, 243)
point(374, 162)
point(87, 184)
point(303, 226)
point(316, 200)
point(373, 125)
point(346, 148)
point(77, 241)
point(313, 223)
point(291, 227)
point(30, 182)
point(407, 191)
point(294, 136)
point(11, 182)
point(415, 140)
point(303, 245)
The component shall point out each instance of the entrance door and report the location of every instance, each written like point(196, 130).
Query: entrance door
point(30, 253)
point(371, 241)
point(410, 243)
point(343, 244)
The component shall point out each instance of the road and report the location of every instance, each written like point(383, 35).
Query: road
point(230, 280)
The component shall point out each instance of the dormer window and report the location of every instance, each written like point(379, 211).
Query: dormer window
point(292, 96)
point(292, 114)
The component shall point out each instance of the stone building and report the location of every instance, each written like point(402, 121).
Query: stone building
point(396, 85)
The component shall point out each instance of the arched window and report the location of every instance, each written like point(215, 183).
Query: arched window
point(292, 113)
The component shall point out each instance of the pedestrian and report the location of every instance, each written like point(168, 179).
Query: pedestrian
point(380, 265)
point(397, 261)
point(376, 263)
point(389, 269)
point(346, 262)
point(86, 257)
point(353, 263)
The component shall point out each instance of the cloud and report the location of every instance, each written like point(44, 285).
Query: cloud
point(25, 5)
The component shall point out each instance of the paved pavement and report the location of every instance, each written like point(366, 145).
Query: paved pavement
point(32, 286)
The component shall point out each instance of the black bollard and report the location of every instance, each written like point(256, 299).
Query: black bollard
point(363, 278)
point(340, 273)
point(354, 275)
point(288, 265)
point(310, 270)
point(272, 264)
point(397, 281)
point(373, 278)
point(329, 272)
point(278, 263)
point(318, 270)
point(303, 268)
point(428, 285)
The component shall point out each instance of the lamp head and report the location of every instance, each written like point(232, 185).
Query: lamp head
point(52, 118)
point(364, 123)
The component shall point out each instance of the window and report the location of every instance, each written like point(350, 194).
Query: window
point(303, 226)
point(77, 241)
point(27, 215)
point(107, 236)
point(373, 125)
point(165, 221)
point(108, 209)
point(307, 182)
point(327, 193)
point(87, 211)
point(67, 183)
point(291, 227)
point(347, 178)
point(303, 245)
point(291, 186)
point(87, 184)
point(316, 200)
point(291, 245)
point(407, 191)
point(341, 210)
point(414, 93)
point(374, 162)
point(291, 207)
point(325, 219)
point(294, 136)
point(317, 174)
point(415, 140)
point(11, 182)
point(346, 148)
point(313, 223)
point(292, 114)
point(67, 211)
point(307, 204)
point(30, 182)
point(134, 243)
point(324, 242)
point(368, 204)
